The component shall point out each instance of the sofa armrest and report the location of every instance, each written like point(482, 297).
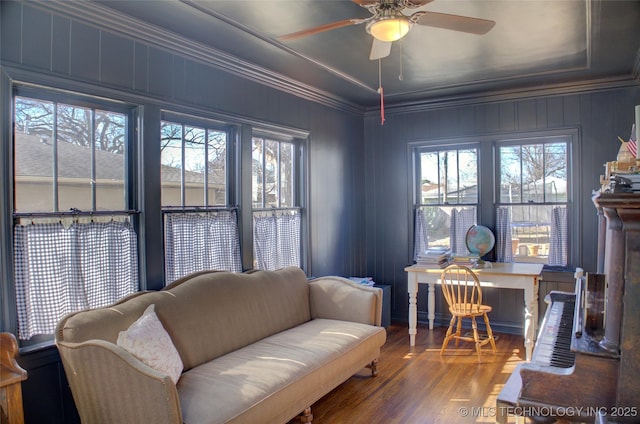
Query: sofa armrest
point(341, 298)
point(110, 385)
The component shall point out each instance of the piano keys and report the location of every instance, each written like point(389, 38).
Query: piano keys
point(553, 347)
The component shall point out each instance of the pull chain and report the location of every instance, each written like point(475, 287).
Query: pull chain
point(401, 76)
point(381, 91)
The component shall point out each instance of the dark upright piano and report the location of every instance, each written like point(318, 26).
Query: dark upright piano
point(585, 366)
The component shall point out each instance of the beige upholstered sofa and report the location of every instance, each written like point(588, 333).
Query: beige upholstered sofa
point(257, 347)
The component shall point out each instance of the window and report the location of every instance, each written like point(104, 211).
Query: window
point(201, 228)
point(193, 165)
point(447, 193)
point(533, 199)
point(75, 244)
point(276, 203)
point(68, 156)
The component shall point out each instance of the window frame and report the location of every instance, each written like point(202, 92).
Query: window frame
point(207, 123)
point(298, 180)
point(488, 175)
point(442, 147)
point(78, 98)
point(295, 172)
point(531, 141)
point(539, 140)
point(438, 148)
point(93, 103)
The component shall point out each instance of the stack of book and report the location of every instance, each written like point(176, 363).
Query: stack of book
point(632, 180)
point(365, 281)
point(434, 258)
point(465, 260)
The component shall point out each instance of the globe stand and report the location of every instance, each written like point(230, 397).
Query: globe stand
point(481, 264)
point(478, 264)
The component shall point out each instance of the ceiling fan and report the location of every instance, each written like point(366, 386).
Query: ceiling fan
point(389, 23)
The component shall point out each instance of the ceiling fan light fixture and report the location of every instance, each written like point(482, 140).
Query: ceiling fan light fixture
point(389, 29)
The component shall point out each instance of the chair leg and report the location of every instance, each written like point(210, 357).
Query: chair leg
point(448, 336)
point(458, 331)
point(490, 333)
point(476, 338)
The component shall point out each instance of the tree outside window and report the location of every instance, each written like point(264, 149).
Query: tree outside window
point(68, 156)
point(533, 187)
point(273, 173)
point(193, 165)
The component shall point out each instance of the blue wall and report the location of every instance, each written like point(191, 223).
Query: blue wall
point(597, 117)
point(359, 194)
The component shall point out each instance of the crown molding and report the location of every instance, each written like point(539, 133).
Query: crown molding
point(507, 95)
point(109, 20)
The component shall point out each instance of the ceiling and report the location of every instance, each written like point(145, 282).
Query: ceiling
point(534, 44)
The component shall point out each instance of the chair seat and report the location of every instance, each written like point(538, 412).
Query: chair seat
point(466, 309)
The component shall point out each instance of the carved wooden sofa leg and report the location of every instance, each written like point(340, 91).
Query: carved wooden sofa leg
point(306, 416)
point(373, 366)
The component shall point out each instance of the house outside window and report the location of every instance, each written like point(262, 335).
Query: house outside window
point(277, 211)
point(447, 194)
point(75, 243)
point(201, 227)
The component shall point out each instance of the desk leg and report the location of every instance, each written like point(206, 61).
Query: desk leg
point(530, 319)
point(535, 309)
point(412, 288)
point(431, 304)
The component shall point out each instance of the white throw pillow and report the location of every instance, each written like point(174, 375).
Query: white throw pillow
point(148, 341)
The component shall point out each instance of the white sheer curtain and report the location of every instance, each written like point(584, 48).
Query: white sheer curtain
point(504, 250)
point(276, 239)
point(421, 238)
point(558, 237)
point(461, 221)
point(62, 268)
point(201, 241)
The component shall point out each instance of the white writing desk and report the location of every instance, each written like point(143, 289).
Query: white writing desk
point(501, 275)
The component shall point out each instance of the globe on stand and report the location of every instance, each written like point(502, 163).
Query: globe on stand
point(480, 240)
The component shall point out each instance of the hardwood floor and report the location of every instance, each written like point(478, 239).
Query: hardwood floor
point(416, 385)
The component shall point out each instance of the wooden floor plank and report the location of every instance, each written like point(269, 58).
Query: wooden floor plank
point(415, 385)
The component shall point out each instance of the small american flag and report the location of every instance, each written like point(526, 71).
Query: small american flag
point(632, 144)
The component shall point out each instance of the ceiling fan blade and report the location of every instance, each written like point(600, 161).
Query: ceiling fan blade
point(419, 3)
point(454, 22)
point(321, 28)
point(380, 49)
point(410, 3)
point(366, 3)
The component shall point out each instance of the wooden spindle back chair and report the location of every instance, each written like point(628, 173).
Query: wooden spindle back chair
point(462, 291)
